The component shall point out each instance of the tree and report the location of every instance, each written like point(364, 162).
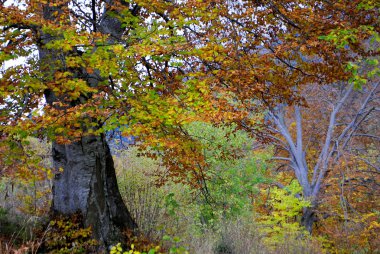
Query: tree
point(329, 132)
point(234, 171)
point(89, 68)
point(85, 180)
point(342, 126)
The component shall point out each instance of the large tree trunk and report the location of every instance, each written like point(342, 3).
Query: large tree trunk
point(88, 184)
point(85, 181)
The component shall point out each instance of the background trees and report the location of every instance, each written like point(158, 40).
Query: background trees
point(310, 163)
point(332, 128)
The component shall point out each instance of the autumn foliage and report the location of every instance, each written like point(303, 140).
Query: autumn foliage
point(299, 77)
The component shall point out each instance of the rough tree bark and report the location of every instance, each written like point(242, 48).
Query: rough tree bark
point(88, 184)
point(85, 181)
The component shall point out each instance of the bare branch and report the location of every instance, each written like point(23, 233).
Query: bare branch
point(321, 165)
point(370, 164)
point(280, 158)
point(367, 135)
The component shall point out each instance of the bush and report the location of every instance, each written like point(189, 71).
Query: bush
point(68, 235)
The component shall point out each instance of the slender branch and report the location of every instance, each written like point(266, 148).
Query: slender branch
point(355, 123)
point(369, 164)
point(280, 158)
point(367, 135)
point(93, 9)
point(283, 16)
point(318, 171)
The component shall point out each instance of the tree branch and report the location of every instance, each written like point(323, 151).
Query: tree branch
point(319, 172)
